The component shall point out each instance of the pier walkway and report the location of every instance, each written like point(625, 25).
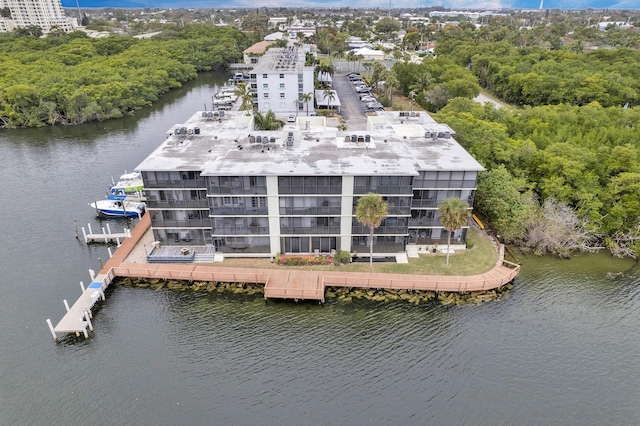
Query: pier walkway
point(278, 283)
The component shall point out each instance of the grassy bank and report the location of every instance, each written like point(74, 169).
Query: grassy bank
point(480, 258)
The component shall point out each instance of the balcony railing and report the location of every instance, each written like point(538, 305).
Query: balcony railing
point(304, 230)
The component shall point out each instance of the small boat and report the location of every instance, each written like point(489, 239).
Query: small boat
point(113, 207)
point(129, 183)
point(238, 78)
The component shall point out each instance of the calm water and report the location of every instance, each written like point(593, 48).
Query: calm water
point(562, 348)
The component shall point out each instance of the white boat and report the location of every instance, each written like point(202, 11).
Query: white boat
point(128, 184)
point(113, 207)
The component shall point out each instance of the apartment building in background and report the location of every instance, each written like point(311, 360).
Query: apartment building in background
point(46, 14)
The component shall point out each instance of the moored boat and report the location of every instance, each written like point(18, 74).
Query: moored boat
point(113, 207)
point(128, 184)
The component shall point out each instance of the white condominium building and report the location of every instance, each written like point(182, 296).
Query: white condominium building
point(279, 80)
point(45, 14)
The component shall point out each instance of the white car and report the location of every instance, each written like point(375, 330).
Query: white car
point(291, 118)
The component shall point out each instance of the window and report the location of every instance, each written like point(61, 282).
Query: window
point(265, 95)
point(265, 85)
point(281, 75)
point(281, 95)
point(282, 85)
point(264, 76)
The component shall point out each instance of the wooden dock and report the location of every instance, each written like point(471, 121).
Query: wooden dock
point(106, 236)
point(289, 284)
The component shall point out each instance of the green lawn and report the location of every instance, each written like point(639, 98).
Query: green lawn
point(480, 258)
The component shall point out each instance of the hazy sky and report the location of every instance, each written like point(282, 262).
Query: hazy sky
point(396, 4)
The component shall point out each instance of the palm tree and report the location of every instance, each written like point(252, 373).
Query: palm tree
point(246, 95)
point(421, 84)
point(454, 213)
point(351, 57)
point(268, 121)
point(306, 97)
point(390, 82)
point(330, 96)
point(371, 211)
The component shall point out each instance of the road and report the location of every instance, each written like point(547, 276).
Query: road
point(352, 110)
point(483, 99)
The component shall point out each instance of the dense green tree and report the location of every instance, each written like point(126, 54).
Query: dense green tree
point(71, 78)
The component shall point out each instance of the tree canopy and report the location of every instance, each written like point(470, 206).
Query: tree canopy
point(73, 79)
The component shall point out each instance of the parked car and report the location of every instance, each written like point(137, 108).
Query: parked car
point(352, 73)
point(367, 98)
point(291, 118)
point(374, 106)
point(363, 89)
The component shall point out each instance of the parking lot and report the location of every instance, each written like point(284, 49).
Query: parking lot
point(352, 108)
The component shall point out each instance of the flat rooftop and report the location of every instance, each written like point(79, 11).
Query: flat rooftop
point(228, 145)
point(281, 60)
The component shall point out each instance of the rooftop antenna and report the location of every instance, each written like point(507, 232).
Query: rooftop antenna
point(541, 4)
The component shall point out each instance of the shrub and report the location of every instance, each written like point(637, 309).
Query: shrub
point(341, 257)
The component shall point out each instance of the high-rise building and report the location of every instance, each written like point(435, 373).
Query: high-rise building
point(46, 14)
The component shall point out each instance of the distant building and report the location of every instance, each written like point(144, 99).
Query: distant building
point(279, 80)
point(216, 180)
point(45, 14)
point(305, 31)
point(252, 53)
point(369, 54)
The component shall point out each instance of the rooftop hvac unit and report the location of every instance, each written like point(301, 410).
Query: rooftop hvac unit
point(354, 138)
point(401, 113)
point(177, 131)
point(204, 113)
point(183, 130)
point(447, 135)
point(347, 138)
point(412, 114)
point(367, 138)
point(222, 113)
point(196, 130)
point(210, 114)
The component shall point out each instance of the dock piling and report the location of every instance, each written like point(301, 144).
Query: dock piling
point(88, 320)
point(110, 253)
point(53, 333)
point(82, 286)
point(84, 234)
point(92, 274)
point(66, 304)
